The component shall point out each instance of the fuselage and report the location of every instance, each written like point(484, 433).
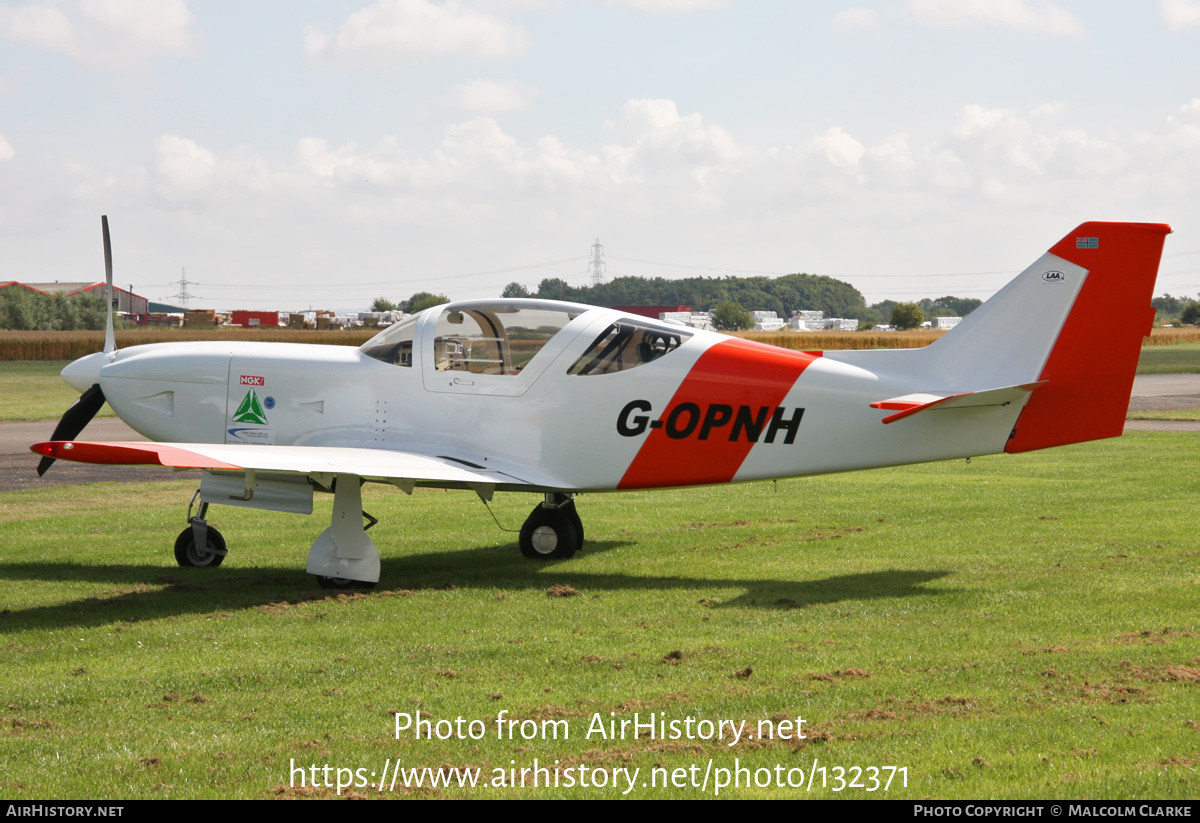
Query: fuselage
point(595, 400)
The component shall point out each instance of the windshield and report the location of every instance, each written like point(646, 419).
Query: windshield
point(394, 344)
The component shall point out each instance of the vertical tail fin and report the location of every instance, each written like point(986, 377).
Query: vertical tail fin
point(1089, 369)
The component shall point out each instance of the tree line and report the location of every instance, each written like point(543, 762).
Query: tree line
point(731, 298)
point(24, 310)
point(782, 295)
point(1174, 310)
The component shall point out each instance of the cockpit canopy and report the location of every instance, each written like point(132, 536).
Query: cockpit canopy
point(502, 337)
point(480, 337)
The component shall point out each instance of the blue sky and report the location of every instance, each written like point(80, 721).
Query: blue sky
point(321, 153)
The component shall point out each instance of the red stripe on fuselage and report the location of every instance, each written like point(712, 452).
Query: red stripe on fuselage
point(735, 373)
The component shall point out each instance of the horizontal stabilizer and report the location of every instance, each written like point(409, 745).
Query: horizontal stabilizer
point(910, 404)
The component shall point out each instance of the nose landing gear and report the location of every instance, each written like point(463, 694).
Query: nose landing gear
point(199, 545)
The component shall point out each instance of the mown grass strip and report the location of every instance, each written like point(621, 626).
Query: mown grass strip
point(1012, 627)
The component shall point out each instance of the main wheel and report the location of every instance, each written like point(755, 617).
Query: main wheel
point(188, 554)
point(567, 504)
point(577, 520)
point(550, 534)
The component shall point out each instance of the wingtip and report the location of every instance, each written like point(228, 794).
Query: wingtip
point(46, 449)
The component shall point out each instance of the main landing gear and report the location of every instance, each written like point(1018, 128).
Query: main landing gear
point(553, 530)
point(344, 557)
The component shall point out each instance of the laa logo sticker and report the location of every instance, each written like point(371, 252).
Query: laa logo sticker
point(1054, 277)
point(250, 410)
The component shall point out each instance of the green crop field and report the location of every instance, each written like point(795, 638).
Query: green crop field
point(1013, 627)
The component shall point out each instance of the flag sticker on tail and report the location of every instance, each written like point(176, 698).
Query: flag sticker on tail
point(1087, 242)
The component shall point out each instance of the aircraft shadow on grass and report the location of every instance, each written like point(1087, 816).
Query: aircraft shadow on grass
point(151, 593)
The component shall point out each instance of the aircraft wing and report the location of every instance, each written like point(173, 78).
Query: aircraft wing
point(383, 464)
point(911, 404)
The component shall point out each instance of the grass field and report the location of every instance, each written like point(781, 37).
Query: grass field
point(32, 390)
point(1012, 627)
point(1170, 359)
point(1165, 414)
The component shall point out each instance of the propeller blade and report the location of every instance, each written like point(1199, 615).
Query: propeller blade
point(110, 339)
point(79, 415)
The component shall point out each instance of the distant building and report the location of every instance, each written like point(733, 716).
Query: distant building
point(817, 321)
point(124, 300)
point(766, 321)
point(254, 319)
point(166, 308)
point(651, 311)
point(946, 322)
point(807, 320)
point(695, 319)
point(8, 283)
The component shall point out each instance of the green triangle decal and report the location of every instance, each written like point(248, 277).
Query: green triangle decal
point(250, 410)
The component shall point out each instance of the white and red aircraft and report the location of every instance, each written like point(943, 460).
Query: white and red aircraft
point(560, 398)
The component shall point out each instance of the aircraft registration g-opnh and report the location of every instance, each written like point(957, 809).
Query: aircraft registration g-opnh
point(560, 398)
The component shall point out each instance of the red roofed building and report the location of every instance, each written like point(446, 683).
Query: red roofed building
point(651, 311)
point(126, 301)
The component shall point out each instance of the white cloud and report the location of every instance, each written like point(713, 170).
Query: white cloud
point(661, 162)
point(182, 165)
point(490, 96)
point(314, 155)
point(838, 148)
point(393, 30)
point(670, 6)
point(664, 179)
point(1028, 16)
point(893, 152)
point(6, 149)
point(103, 33)
point(1179, 14)
point(656, 126)
point(856, 18)
point(480, 139)
point(1191, 107)
point(681, 159)
point(1004, 143)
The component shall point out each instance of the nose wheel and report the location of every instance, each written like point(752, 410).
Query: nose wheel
point(189, 554)
point(553, 530)
point(199, 545)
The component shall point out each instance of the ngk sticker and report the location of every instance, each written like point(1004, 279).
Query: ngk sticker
point(253, 380)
